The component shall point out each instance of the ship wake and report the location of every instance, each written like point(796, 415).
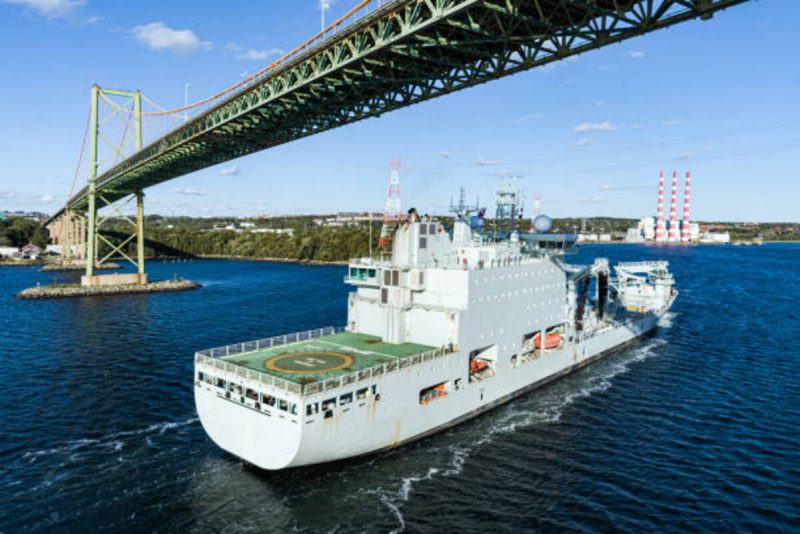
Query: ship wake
point(538, 408)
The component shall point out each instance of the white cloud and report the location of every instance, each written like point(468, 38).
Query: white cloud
point(158, 36)
point(672, 122)
point(528, 118)
point(611, 187)
point(251, 54)
point(444, 154)
point(5, 195)
point(233, 170)
point(487, 162)
point(52, 9)
point(635, 54)
point(241, 53)
point(44, 199)
point(584, 141)
point(595, 127)
point(595, 199)
point(189, 191)
point(685, 155)
point(600, 104)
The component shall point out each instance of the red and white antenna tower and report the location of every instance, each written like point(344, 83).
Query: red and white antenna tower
point(391, 214)
point(673, 209)
point(537, 204)
point(660, 215)
point(686, 207)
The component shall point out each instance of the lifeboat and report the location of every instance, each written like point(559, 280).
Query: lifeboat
point(432, 393)
point(551, 341)
point(476, 366)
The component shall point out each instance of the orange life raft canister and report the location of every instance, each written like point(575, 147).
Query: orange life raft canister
point(551, 341)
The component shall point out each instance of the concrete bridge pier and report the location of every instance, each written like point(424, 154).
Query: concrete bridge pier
point(68, 232)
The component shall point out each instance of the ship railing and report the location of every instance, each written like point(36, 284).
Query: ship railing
point(211, 358)
point(376, 371)
point(266, 343)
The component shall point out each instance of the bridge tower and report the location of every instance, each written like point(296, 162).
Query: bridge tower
point(126, 105)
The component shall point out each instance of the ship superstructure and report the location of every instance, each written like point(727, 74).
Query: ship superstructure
point(452, 324)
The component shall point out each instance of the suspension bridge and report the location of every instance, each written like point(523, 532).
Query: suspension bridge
point(378, 57)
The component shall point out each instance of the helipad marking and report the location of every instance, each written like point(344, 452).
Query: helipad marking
point(351, 349)
point(309, 362)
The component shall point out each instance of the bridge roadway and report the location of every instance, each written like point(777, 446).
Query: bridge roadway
point(405, 52)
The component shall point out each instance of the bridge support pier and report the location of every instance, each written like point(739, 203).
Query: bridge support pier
point(68, 232)
point(96, 201)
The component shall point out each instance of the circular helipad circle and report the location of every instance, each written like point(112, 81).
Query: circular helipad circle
point(308, 362)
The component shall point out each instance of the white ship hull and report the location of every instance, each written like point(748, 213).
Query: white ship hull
point(275, 439)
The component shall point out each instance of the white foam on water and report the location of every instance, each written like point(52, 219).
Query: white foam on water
point(666, 320)
point(512, 418)
point(110, 442)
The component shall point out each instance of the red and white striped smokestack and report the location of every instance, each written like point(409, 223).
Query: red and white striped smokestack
point(660, 214)
point(687, 195)
point(673, 209)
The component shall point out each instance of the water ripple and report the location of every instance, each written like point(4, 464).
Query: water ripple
point(694, 429)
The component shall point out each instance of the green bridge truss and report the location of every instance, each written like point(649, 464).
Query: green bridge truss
point(406, 52)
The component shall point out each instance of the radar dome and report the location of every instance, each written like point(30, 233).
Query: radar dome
point(542, 224)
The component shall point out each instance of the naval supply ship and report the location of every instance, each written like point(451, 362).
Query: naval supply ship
point(450, 325)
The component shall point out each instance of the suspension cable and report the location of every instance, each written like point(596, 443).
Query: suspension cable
point(80, 159)
point(269, 67)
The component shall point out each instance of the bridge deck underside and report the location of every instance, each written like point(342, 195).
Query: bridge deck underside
point(407, 52)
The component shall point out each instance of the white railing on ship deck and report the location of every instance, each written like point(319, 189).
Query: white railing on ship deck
point(211, 357)
point(266, 343)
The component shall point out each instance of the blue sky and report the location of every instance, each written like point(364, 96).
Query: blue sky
point(719, 98)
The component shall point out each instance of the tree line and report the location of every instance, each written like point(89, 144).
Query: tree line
point(18, 232)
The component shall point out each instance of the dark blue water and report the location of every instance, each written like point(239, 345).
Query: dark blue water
point(696, 428)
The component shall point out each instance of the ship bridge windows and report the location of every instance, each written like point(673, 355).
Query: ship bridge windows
point(363, 274)
point(252, 395)
point(347, 398)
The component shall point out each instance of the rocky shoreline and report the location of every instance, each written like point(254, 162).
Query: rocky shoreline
point(77, 266)
point(67, 291)
point(337, 263)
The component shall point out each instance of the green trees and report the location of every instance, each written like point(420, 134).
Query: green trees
point(18, 232)
point(314, 244)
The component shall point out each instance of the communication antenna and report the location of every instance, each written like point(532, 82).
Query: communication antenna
point(392, 214)
point(462, 209)
point(506, 205)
